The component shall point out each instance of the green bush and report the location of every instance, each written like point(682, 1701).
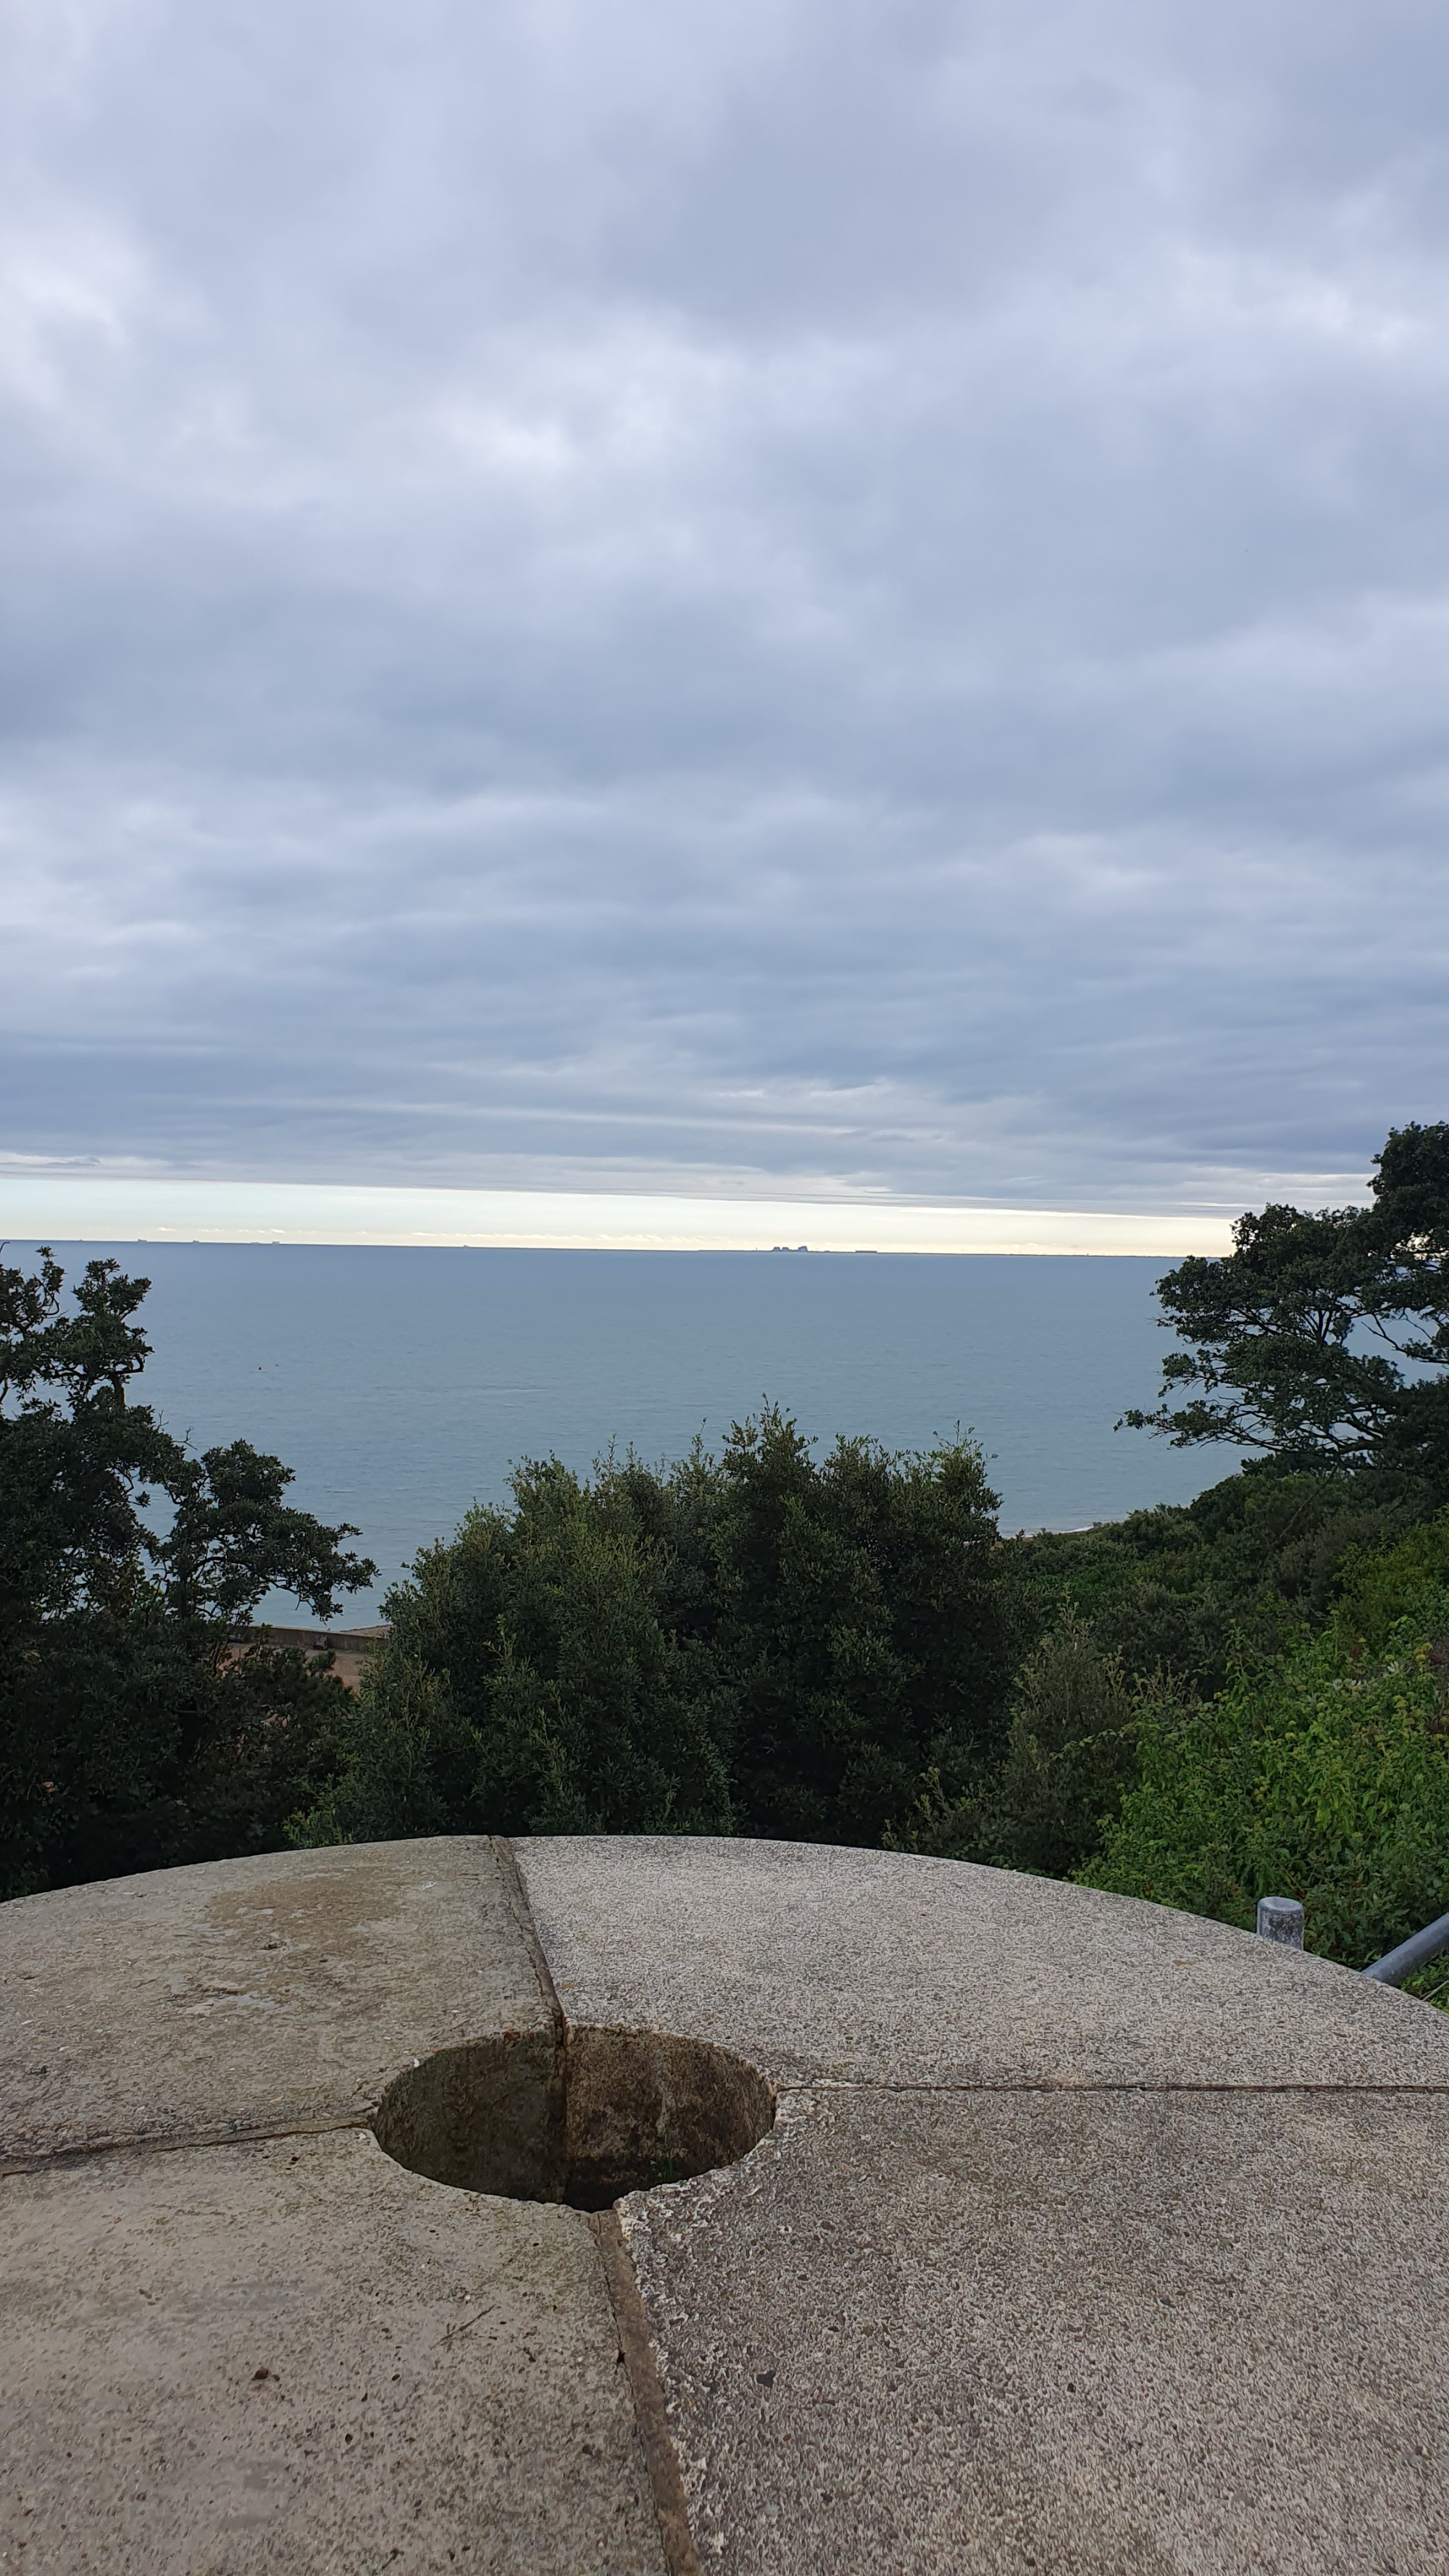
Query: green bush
point(756, 1641)
point(1321, 1772)
point(1178, 1590)
point(534, 1682)
point(1070, 1749)
point(139, 1742)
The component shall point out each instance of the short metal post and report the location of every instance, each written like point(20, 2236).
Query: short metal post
point(1280, 1918)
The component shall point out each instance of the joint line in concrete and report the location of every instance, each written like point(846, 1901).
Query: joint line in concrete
point(172, 2144)
point(651, 2415)
point(636, 2344)
point(1108, 2084)
point(522, 1913)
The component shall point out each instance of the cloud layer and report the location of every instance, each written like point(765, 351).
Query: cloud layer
point(799, 599)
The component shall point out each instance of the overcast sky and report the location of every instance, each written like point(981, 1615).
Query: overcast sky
point(798, 597)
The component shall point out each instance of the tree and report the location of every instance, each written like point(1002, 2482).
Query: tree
point(135, 1732)
point(863, 1623)
point(756, 1641)
point(1323, 1337)
point(537, 1679)
point(1069, 1751)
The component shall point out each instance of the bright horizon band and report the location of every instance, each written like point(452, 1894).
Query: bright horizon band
point(107, 1208)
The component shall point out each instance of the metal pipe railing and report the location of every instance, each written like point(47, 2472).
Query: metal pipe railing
point(1416, 1952)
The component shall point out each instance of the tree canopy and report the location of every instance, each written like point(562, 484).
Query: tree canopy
point(760, 1641)
point(1323, 1337)
point(135, 1733)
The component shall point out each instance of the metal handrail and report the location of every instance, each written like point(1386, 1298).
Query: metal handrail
point(1416, 1952)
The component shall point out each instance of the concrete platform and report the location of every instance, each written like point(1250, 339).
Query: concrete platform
point(1085, 2238)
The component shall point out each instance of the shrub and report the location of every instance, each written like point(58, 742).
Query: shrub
point(756, 1641)
point(1322, 1772)
point(1070, 1748)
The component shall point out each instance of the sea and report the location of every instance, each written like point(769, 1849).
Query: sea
point(403, 1384)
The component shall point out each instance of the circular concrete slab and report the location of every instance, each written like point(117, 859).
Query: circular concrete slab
point(1075, 2235)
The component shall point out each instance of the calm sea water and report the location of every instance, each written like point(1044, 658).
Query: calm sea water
point(401, 1384)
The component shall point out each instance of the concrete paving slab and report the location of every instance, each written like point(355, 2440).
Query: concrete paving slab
point(1083, 2334)
point(906, 1970)
point(1090, 2239)
point(249, 1995)
point(292, 2358)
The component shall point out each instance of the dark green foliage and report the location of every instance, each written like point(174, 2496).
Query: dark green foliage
point(1069, 1752)
point(754, 1641)
point(1071, 1749)
point(537, 1680)
point(1131, 1624)
point(1139, 1621)
point(133, 1734)
point(1319, 1341)
point(863, 1627)
point(1297, 1341)
point(128, 1745)
point(1174, 1590)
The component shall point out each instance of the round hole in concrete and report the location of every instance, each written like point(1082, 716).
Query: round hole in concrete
point(582, 2118)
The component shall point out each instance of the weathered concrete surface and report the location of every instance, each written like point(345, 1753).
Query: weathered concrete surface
point(249, 1994)
point(1091, 2240)
point(889, 1968)
point(1087, 2333)
point(292, 2356)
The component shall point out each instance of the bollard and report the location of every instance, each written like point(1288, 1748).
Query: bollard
point(1280, 1918)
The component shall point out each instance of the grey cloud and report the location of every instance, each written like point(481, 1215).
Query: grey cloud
point(849, 599)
